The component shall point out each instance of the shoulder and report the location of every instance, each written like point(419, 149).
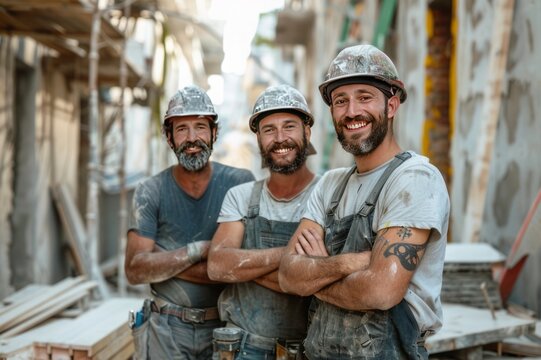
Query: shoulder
point(155, 182)
point(231, 173)
point(418, 167)
point(335, 174)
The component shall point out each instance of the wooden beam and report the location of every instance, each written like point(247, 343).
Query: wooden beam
point(501, 31)
point(23, 312)
point(50, 308)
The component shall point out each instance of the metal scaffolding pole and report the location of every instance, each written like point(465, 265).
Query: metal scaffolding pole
point(92, 204)
point(123, 214)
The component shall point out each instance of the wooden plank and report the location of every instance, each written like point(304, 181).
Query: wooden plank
point(468, 253)
point(126, 353)
point(21, 346)
point(61, 354)
point(28, 309)
point(501, 31)
point(73, 225)
point(97, 328)
point(114, 347)
point(467, 327)
point(25, 293)
point(52, 307)
point(20, 296)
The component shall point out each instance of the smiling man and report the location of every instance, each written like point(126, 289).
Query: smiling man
point(371, 245)
point(174, 219)
point(256, 222)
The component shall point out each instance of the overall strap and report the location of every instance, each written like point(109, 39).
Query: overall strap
point(255, 196)
point(372, 198)
point(335, 200)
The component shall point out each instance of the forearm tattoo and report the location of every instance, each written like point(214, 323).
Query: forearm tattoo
point(408, 254)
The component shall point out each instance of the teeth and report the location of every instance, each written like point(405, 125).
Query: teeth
point(352, 126)
point(282, 151)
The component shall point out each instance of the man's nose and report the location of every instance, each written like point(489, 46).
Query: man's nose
point(192, 134)
point(353, 109)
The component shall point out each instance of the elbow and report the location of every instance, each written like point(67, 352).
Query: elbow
point(385, 298)
point(132, 276)
point(213, 271)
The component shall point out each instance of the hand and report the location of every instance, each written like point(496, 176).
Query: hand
point(197, 251)
point(311, 243)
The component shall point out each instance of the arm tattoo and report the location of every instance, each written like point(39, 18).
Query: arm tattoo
point(408, 254)
point(404, 233)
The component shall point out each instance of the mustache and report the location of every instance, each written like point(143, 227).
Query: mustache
point(197, 143)
point(360, 117)
point(281, 145)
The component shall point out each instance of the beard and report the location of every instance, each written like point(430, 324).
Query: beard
point(286, 169)
point(193, 162)
point(358, 147)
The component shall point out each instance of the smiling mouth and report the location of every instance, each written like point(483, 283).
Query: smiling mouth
point(282, 150)
point(356, 125)
point(192, 149)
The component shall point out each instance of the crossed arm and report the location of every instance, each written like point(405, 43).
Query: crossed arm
point(229, 263)
point(147, 263)
point(355, 281)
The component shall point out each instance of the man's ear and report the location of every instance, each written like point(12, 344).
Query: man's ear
point(214, 133)
point(307, 132)
point(392, 106)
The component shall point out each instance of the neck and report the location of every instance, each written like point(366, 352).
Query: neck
point(383, 153)
point(284, 186)
point(194, 183)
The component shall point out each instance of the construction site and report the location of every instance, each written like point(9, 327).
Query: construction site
point(84, 86)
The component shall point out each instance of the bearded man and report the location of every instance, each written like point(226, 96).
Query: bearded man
point(255, 224)
point(371, 245)
point(174, 218)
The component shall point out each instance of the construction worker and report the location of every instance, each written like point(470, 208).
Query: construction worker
point(255, 224)
point(174, 219)
point(371, 244)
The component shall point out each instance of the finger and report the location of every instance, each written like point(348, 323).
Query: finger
point(306, 246)
point(299, 249)
point(316, 241)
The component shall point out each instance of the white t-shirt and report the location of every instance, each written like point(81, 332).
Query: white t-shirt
point(236, 202)
point(415, 195)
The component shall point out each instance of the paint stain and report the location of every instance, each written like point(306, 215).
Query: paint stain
point(405, 197)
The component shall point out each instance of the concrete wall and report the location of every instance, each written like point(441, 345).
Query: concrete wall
point(515, 172)
point(39, 141)
point(410, 60)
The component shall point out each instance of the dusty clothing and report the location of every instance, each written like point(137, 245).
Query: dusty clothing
point(268, 223)
point(414, 195)
point(163, 212)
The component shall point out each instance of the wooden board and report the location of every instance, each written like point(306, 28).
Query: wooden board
point(52, 307)
point(28, 308)
point(24, 294)
point(466, 253)
point(466, 327)
point(21, 346)
point(97, 328)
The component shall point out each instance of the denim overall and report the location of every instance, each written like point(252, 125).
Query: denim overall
point(336, 333)
point(264, 315)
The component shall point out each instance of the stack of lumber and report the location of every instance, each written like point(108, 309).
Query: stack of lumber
point(467, 270)
point(36, 304)
point(99, 333)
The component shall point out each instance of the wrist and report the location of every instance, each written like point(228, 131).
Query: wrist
point(194, 253)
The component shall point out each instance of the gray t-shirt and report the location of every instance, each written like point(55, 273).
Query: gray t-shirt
point(163, 212)
point(415, 195)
